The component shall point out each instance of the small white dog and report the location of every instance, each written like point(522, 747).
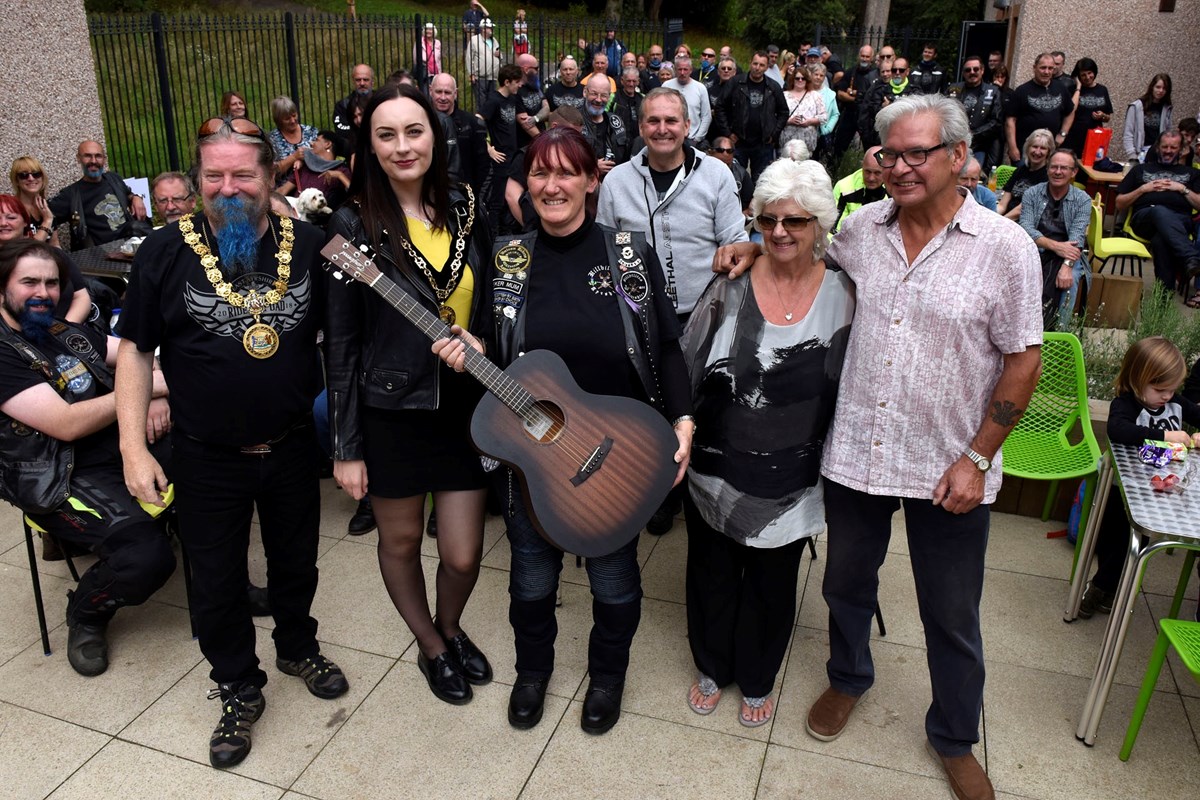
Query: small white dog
point(311, 206)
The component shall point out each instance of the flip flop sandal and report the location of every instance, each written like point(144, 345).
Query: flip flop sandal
point(708, 689)
point(749, 703)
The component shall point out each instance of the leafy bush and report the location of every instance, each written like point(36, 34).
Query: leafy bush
point(1104, 348)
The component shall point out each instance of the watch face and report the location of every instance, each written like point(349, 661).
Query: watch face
point(984, 464)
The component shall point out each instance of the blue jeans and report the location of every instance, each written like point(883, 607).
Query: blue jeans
point(947, 552)
point(536, 564)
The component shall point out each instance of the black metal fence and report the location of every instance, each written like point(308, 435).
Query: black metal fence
point(159, 76)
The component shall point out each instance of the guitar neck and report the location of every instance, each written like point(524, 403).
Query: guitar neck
point(507, 390)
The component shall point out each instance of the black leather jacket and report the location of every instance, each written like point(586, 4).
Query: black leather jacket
point(734, 111)
point(373, 355)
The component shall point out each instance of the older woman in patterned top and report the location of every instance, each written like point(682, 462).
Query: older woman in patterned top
point(765, 354)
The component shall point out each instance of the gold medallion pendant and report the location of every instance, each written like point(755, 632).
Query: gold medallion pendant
point(260, 340)
point(447, 314)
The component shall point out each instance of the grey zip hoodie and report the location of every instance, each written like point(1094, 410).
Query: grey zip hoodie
point(700, 212)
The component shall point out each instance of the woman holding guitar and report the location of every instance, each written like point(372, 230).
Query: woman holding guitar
point(595, 297)
point(399, 417)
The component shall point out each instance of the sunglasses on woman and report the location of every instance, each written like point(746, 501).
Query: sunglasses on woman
point(236, 124)
point(767, 223)
point(24, 176)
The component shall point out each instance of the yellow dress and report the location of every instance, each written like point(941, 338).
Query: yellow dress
point(435, 245)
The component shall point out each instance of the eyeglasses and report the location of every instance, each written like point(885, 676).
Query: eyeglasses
point(709, 55)
point(24, 176)
point(972, 69)
point(721, 150)
point(914, 158)
point(767, 223)
point(899, 69)
point(174, 201)
point(236, 124)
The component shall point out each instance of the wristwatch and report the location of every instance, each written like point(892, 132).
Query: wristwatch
point(984, 464)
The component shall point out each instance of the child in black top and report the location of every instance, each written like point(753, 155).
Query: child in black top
point(1147, 406)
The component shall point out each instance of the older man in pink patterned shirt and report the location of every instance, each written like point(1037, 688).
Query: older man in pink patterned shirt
point(943, 356)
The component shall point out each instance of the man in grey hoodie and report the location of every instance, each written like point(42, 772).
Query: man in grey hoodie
point(687, 205)
point(684, 201)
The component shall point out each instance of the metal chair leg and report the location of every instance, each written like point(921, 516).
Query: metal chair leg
point(37, 589)
point(879, 620)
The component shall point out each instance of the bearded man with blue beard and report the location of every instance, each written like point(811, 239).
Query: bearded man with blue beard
point(232, 300)
point(99, 206)
point(59, 450)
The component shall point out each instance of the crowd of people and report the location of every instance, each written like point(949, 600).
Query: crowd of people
point(808, 389)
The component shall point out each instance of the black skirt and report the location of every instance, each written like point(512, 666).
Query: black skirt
point(411, 452)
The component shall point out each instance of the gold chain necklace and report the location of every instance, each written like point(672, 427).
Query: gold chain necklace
point(460, 245)
point(260, 339)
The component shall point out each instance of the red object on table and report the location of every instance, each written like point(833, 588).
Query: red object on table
point(1095, 147)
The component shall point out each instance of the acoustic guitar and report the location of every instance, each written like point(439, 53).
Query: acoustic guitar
point(594, 467)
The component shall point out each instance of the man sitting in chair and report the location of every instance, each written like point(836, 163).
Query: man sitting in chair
point(59, 448)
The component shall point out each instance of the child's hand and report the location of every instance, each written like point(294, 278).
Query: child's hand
point(1196, 440)
point(1181, 437)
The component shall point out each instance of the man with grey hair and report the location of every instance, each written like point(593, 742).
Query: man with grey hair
point(696, 96)
point(232, 301)
point(603, 129)
point(684, 201)
point(628, 99)
point(940, 282)
point(968, 178)
point(363, 78)
point(484, 59)
point(173, 195)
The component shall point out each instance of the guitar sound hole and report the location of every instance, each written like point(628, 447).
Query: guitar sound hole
point(545, 423)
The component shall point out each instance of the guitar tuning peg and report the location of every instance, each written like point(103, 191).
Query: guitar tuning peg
point(363, 247)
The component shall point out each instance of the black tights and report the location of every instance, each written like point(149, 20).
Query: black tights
point(460, 549)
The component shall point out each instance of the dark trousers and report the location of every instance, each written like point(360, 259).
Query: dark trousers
point(134, 555)
point(843, 133)
point(741, 605)
point(755, 158)
point(217, 489)
point(616, 585)
point(1170, 246)
point(947, 552)
point(480, 90)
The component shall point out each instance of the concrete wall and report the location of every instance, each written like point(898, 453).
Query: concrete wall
point(48, 86)
point(1130, 41)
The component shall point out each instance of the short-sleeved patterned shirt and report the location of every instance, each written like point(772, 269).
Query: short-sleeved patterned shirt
point(927, 345)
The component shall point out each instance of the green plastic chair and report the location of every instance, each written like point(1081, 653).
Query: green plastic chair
point(1053, 440)
point(1118, 249)
point(1003, 173)
point(1184, 636)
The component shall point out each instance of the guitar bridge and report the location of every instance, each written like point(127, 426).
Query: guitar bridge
point(593, 462)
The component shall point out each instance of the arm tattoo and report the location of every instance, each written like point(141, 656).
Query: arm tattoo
point(1005, 413)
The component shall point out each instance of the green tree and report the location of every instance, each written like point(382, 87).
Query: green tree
point(787, 22)
point(933, 13)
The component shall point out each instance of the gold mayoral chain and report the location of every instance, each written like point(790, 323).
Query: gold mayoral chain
point(260, 339)
point(460, 243)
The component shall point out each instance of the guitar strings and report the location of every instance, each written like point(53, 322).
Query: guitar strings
point(514, 396)
point(508, 390)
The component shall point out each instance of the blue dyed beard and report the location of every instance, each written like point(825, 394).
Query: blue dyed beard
point(237, 237)
point(93, 173)
point(35, 325)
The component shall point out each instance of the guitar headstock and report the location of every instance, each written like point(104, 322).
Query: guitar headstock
point(346, 259)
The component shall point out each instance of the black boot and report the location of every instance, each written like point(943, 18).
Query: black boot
point(535, 628)
point(363, 520)
point(613, 628)
point(89, 610)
